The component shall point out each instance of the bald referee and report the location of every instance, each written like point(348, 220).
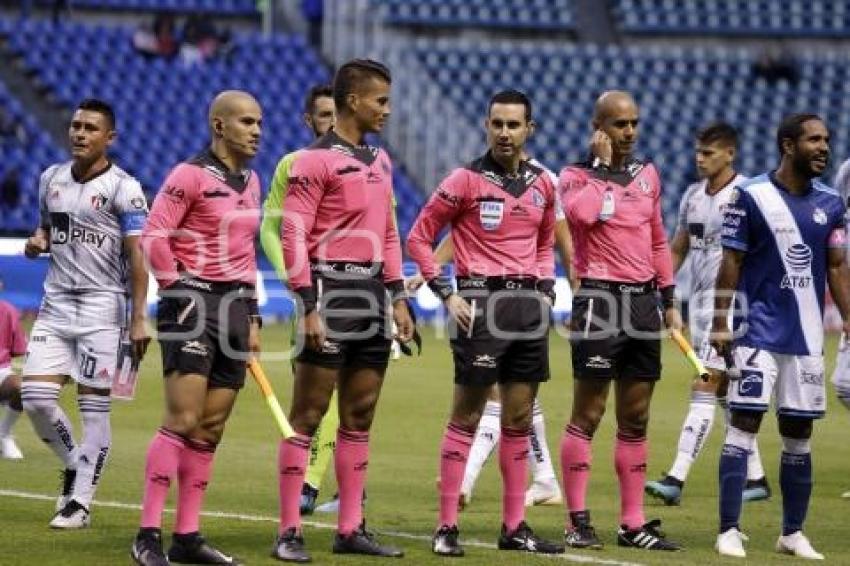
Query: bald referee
point(613, 204)
point(207, 320)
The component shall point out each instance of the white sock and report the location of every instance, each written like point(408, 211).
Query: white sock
point(10, 417)
point(486, 438)
point(51, 424)
point(539, 459)
point(94, 449)
point(694, 433)
point(755, 471)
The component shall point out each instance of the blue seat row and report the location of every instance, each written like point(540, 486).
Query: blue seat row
point(161, 104)
point(679, 91)
point(221, 7)
point(789, 18)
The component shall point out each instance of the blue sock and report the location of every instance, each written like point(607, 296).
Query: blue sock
point(733, 477)
point(795, 479)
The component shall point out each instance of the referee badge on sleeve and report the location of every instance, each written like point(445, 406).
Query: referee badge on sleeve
point(490, 213)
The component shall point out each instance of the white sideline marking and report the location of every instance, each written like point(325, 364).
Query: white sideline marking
point(317, 525)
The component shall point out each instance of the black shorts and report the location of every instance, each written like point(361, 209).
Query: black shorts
point(354, 310)
point(196, 337)
point(615, 331)
point(509, 339)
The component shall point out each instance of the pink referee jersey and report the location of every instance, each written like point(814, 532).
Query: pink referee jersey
point(339, 209)
point(203, 222)
point(501, 226)
point(13, 341)
point(615, 222)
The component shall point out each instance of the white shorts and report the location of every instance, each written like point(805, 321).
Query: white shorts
point(798, 383)
point(841, 374)
point(88, 357)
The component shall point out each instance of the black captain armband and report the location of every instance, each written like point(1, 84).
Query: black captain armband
point(547, 288)
point(441, 287)
point(308, 298)
point(396, 290)
point(668, 297)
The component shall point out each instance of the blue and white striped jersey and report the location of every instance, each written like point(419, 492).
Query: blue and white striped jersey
point(783, 279)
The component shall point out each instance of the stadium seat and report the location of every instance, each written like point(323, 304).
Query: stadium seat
point(161, 106)
point(513, 14)
point(790, 18)
point(679, 89)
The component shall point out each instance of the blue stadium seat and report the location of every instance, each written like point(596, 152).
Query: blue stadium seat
point(513, 14)
point(220, 7)
point(160, 104)
point(789, 18)
point(680, 90)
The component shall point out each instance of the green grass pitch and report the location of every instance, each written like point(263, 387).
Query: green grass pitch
point(403, 466)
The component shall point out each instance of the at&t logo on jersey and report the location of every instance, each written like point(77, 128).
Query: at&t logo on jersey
point(799, 258)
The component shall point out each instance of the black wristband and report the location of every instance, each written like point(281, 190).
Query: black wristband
point(308, 298)
point(547, 287)
point(668, 297)
point(255, 318)
point(396, 290)
point(441, 287)
point(253, 307)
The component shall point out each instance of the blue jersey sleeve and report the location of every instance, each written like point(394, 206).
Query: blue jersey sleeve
point(736, 221)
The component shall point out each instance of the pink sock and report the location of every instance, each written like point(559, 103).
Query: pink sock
point(350, 462)
point(160, 470)
point(576, 457)
point(513, 461)
point(630, 461)
point(194, 475)
point(292, 457)
point(457, 441)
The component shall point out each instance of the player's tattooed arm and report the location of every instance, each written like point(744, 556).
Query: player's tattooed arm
point(838, 278)
point(727, 282)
